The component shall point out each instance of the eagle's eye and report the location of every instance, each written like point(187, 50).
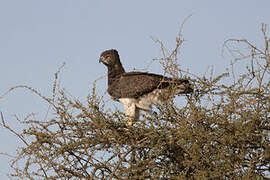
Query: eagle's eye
point(108, 58)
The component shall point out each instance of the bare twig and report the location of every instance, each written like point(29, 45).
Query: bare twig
point(11, 130)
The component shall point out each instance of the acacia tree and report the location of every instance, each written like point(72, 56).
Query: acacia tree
point(222, 131)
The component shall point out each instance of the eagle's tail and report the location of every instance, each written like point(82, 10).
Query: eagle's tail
point(183, 87)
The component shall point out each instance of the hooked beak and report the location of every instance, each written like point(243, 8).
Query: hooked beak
point(101, 59)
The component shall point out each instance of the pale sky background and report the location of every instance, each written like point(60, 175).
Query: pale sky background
point(37, 36)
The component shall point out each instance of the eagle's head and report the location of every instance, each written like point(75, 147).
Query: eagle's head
point(109, 57)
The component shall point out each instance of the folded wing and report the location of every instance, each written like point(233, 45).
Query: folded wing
point(136, 84)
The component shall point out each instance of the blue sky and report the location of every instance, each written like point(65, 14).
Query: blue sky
point(37, 36)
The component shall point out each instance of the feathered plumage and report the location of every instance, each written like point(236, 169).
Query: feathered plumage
point(139, 90)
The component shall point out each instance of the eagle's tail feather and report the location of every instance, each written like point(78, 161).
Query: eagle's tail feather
point(184, 88)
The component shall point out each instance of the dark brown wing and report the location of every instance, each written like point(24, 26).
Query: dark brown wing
point(136, 84)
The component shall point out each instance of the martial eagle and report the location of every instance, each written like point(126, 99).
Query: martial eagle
point(139, 90)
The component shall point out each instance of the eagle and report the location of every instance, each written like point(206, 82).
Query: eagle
point(139, 90)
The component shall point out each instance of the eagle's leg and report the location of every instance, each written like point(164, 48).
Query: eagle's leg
point(132, 114)
point(133, 118)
